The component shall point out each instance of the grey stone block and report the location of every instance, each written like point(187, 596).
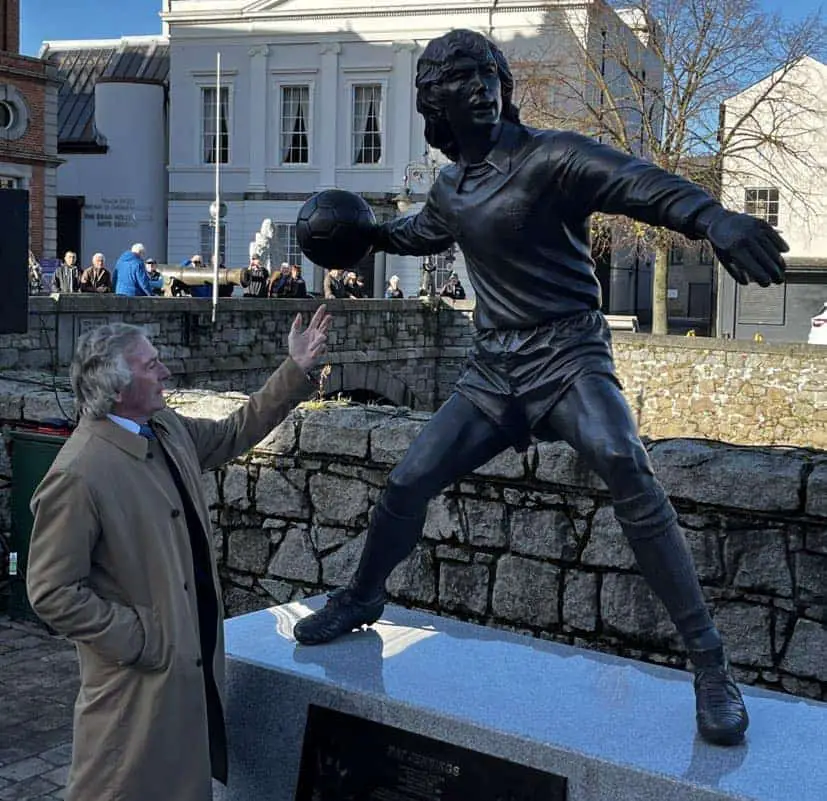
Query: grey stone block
point(248, 550)
point(486, 523)
point(559, 463)
point(282, 493)
point(442, 520)
point(339, 566)
point(811, 578)
point(546, 533)
point(607, 545)
point(343, 433)
point(508, 464)
point(817, 491)
point(628, 606)
point(464, 588)
point(234, 487)
point(745, 629)
point(526, 591)
point(753, 479)
point(806, 652)
point(327, 538)
point(338, 500)
point(580, 600)
point(295, 558)
point(757, 561)
point(414, 579)
point(390, 439)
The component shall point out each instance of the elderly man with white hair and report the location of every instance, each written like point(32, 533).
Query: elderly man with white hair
point(129, 277)
point(122, 562)
point(96, 278)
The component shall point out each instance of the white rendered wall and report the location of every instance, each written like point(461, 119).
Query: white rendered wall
point(125, 188)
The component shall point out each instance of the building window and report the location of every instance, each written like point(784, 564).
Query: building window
point(7, 183)
point(676, 253)
point(367, 124)
point(207, 240)
point(762, 203)
point(7, 115)
point(705, 253)
point(285, 247)
point(210, 144)
point(295, 125)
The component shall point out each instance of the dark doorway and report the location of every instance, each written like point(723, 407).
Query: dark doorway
point(69, 226)
point(602, 255)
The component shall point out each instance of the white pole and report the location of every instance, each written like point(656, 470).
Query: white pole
point(217, 218)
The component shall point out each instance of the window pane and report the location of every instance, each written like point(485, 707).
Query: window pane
point(8, 183)
point(207, 240)
point(762, 203)
point(208, 127)
point(285, 246)
point(295, 125)
point(367, 121)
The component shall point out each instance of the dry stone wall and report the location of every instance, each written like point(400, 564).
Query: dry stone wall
point(411, 353)
point(529, 542)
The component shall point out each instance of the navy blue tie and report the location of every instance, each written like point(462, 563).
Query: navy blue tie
point(147, 432)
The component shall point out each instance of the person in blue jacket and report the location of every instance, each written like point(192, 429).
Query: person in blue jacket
point(129, 276)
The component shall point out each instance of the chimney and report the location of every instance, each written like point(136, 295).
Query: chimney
point(10, 26)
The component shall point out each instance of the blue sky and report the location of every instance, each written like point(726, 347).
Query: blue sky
point(109, 19)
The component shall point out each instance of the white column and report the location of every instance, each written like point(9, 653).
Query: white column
point(326, 115)
point(401, 95)
point(257, 119)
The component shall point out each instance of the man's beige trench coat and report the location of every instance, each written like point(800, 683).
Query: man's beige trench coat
point(110, 566)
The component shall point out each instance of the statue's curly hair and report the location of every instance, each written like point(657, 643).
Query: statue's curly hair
point(431, 68)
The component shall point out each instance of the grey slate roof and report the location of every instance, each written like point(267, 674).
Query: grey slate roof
point(81, 65)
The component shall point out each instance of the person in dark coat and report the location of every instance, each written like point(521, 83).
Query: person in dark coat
point(96, 278)
point(254, 279)
point(66, 278)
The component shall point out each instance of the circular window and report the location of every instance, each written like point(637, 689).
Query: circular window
point(7, 115)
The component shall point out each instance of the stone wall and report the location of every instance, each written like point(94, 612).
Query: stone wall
point(411, 353)
point(529, 542)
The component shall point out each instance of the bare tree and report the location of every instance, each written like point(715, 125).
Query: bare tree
point(651, 81)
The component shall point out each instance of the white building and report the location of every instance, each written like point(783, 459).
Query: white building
point(778, 171)
point(112, 139)
point(317, 94)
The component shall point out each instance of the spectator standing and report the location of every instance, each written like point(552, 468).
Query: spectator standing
point(294, 286)
point(278, 281)
point(129, 276)
point(67, 276)
point(394, 291)
point(156, 280)
point(453, 288)
point(352, 287)
point(96, 278)
point(334, 286)
point(254, 279)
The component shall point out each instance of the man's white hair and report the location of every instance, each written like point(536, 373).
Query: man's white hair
point(98, 256)
point(99, 370)
point(138, 248)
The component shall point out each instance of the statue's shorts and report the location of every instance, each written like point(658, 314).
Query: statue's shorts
point(515, 377)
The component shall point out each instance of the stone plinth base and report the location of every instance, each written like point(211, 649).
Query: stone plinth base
point(618, 730)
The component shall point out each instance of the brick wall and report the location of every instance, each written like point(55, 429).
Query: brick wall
point(411, 354)
point(10, 26)
point(33, 79)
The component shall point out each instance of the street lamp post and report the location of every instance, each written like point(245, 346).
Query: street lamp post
point(422, 173)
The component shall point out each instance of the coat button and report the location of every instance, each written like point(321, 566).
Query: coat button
point(198, 662)
point(150, 456)
point(176, 512)
point(186, 586)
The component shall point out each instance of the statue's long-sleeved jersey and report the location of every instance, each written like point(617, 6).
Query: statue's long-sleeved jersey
point(521, 218)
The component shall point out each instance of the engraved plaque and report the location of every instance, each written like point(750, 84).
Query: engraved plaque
point(347, 758)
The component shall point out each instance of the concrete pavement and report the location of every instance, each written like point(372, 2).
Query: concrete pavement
point(38, 684)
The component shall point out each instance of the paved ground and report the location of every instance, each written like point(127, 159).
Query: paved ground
point(38, 683)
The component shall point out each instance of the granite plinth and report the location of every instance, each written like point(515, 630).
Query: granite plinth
point(617, 729)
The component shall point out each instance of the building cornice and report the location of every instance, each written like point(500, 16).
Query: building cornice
point(240, 15)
